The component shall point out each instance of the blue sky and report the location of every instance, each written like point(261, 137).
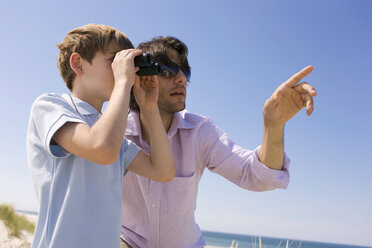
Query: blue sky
point(240, 51)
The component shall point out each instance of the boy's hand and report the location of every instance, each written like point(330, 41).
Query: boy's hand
point(146, 91)
point(123, 66)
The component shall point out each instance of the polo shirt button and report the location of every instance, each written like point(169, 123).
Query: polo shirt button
point(153, 205)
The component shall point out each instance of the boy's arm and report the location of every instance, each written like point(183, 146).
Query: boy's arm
point(101, 143)
point(159, 166)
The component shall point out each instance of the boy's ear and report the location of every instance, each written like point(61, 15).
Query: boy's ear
point(76, 63)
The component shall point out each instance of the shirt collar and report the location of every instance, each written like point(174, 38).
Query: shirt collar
point(179, 122)
point(84, 108)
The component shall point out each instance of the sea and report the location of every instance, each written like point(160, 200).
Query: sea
point(225, 240)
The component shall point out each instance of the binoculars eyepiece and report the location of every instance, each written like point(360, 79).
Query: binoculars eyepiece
point(147, 65)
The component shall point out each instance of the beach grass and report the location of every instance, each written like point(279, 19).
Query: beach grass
point(14, 222)
point(234, 244)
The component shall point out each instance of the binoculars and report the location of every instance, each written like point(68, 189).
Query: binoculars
point(147, 65)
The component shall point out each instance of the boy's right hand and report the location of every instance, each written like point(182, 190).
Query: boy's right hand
point(123, 66)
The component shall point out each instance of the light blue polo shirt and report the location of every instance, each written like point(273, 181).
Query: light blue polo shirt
point(80, 201)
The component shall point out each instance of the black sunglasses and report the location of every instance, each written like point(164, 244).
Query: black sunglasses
point(172, 71)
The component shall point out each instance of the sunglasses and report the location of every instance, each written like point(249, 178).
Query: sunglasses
point(172, 71)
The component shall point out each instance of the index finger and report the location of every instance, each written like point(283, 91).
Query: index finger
point(125, 51)
point(154, 80)
point(133, 53)
point(292, 81)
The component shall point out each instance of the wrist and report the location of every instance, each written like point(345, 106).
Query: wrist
point(273, 133)
point(149, 111)
point(273, 125)
point(122, 84)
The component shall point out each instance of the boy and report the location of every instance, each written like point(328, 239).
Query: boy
point(77, 155)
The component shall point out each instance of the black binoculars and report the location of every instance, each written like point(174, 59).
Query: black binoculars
point(147, 65)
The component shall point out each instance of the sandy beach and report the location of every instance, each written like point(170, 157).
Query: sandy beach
point(13, 242)
point(25, 240)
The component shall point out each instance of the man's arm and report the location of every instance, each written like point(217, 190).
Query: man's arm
point(160, 165)
point(287, 100)
point(101, 143)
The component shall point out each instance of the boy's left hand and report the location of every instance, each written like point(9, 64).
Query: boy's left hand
point(146, 91)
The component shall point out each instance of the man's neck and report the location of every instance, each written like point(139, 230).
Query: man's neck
point(166, 118)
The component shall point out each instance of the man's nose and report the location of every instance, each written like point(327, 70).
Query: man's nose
point(180, 77)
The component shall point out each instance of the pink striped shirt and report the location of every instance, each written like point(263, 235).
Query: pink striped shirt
point(161, 215)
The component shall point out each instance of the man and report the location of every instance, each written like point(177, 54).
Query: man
point(162, 214)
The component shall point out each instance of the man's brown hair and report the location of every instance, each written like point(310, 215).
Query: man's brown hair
point(87, 41)
point(158, 48)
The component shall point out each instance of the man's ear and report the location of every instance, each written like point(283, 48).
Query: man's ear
point(76, 63)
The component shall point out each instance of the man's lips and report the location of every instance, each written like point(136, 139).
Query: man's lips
point(178, 92)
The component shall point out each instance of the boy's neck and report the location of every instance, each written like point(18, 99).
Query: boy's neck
point(94, 102)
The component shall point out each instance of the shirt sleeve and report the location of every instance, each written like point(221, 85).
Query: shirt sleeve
point(49, 113)
point(128, 153)
point(240, 166)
